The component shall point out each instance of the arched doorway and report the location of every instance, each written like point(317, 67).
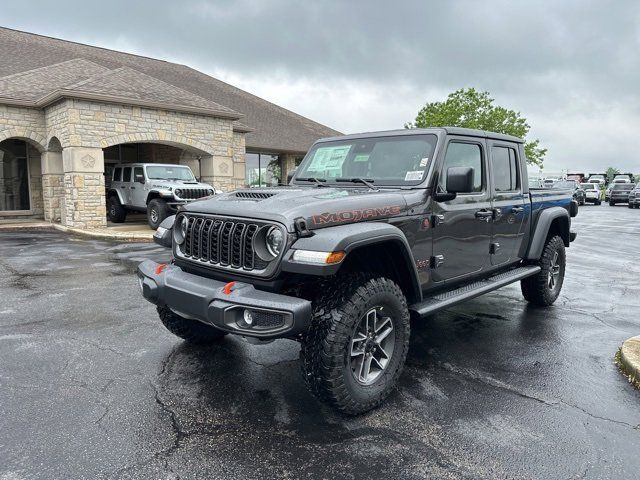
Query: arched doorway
point(146, 152)
point(20, 179)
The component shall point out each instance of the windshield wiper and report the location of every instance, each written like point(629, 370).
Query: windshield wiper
point(318, 181)
point(367, 181)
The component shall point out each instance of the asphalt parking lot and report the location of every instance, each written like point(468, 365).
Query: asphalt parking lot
point(92, 386)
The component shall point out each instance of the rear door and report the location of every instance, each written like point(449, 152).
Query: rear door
point(508, 200)
point(462, 226)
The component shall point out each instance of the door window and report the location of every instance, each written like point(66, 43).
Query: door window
point(126, 174)
point(137, 171)
point(117, 174)
point(505, 169)
point(464, 155)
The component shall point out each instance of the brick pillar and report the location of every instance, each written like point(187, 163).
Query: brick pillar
point(218, 171)
point(52, 185)
point(84, 202)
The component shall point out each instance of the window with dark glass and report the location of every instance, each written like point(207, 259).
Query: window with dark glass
point(137, 172)
point(126, 174)
point(505, 169)
point(117, 174)
point(14, 176)
point(464, 155)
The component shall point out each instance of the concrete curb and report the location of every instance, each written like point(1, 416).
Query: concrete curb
point(94, 234)
point(628, 360)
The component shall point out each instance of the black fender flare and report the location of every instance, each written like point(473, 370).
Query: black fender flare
point(348, 238)
point(541, 229)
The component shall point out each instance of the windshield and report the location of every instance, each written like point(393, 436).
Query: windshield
point(401, 160)
point(623, 186)
point(587, 186)
point(170, 172)
point(565, 184)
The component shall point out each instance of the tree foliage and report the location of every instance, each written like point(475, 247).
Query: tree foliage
point(471, 108)
point(612, 172)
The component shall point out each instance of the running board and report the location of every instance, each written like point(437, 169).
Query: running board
point(467, 292)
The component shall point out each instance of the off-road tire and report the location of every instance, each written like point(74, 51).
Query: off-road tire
point(157, 211)
point(189, 330)
point(536, 289)
point(326, 347)
point(116, 213)
point(630, 206)
point(611, 203)
point(599, 202)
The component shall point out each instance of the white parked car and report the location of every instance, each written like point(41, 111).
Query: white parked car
point(592, 193)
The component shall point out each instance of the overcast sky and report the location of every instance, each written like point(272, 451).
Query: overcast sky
point(572, 68)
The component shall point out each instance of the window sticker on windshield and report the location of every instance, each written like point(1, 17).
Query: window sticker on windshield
point(424, 161)
point(362, 157)
point(413, 175)
point(327, 158)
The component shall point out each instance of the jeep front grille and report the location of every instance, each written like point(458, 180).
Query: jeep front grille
point(222, 242)
point(191, 193)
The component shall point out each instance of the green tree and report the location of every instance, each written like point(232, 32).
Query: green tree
point(612, 172)
point(471, 108)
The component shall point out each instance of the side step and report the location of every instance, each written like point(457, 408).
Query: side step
point(467, 292)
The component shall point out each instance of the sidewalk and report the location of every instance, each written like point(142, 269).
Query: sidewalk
point(133, 232)
point(628, 360)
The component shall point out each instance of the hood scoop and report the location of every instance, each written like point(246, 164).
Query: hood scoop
point(254, 195)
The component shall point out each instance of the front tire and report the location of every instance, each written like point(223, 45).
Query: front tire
point(189, 330)
point(544, 287)
point(356, 347)
point(611, 203)
point(157, 211)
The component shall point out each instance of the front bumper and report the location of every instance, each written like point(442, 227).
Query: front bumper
point(204, 299)
point(619, 198)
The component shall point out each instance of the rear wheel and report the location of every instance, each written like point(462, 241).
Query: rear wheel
point(157, 211)
point(356, 346)
point(116, 213)
point(191, 331)
point(544, 287)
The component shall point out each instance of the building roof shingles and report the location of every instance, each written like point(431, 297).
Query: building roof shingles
point(33, 66)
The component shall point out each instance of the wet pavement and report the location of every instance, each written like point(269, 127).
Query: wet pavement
point(92, 386)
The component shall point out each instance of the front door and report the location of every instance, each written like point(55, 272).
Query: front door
point(462, 226)
point(508, 202)
point(138, 193)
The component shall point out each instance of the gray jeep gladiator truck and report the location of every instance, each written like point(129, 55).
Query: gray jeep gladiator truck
point(372, 230)
point(155, 188)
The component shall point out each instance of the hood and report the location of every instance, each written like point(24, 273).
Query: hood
point(320, 207)
point(177, 184)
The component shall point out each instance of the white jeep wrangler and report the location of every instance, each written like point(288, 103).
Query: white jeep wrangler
point(155, 188)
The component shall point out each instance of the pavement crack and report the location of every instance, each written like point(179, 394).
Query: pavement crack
point(598, 417)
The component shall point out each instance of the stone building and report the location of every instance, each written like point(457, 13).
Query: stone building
point(69, 112)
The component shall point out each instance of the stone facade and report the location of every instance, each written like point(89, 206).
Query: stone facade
point(68, 185)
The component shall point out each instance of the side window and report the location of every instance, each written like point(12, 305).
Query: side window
point(126, 175)
point(504, 165)
point(117, 174)
point(137, 171)
point(464, 155)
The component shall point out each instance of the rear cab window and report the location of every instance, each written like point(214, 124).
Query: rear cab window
point(505, 167)
point(117, 174)
point(126, 174)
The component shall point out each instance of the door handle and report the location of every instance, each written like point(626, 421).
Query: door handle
point(122, 186)
point(484, 214)
point(517, 210)
point(133, 188)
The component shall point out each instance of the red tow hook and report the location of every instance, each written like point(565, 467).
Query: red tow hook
point(160, 268)
point(228, 288)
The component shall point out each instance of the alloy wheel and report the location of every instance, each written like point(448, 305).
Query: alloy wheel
point(554, 271)
point(372, 346)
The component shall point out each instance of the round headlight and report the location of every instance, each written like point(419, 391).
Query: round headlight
point(211, 191)
point(274, 240)
point(178, 192)
point(180, 230)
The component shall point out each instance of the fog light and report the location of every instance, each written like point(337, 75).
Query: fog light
point(248, 317)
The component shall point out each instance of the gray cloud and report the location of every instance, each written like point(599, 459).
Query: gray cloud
point(571, 67)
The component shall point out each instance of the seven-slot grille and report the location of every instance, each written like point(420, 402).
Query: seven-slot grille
point(222, 242)
point(192, 193)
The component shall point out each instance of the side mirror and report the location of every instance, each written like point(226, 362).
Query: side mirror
point(459, 180)
point(139, 178)
point(290, 175)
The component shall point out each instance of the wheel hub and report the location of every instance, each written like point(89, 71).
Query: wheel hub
point(372, 346)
